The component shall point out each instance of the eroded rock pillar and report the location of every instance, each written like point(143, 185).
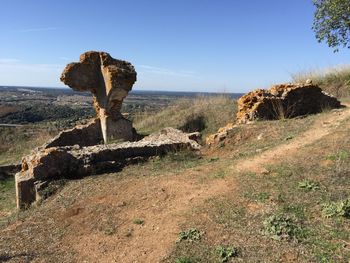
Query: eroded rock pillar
point(109, 80)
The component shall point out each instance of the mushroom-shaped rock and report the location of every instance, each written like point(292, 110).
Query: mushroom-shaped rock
point(109, 80)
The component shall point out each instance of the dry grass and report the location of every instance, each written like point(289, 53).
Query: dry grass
point(16, 142)
point(7, 197)
point(334, 80)
point(205, 114)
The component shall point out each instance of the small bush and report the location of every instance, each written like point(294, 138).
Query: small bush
point(194, 124)
point(340, 208)
point(308, 185)
point(190, 235)
point(282, 227)
point(225, 253)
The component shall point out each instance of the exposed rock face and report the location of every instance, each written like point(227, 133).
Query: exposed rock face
point(284, 101)
point(109, 80)
point(47, 164)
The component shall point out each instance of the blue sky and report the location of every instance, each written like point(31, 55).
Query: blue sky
point(188, 45)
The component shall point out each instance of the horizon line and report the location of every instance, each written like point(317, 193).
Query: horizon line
point(137, 89)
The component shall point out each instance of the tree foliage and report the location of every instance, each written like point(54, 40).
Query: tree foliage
point(332, 22)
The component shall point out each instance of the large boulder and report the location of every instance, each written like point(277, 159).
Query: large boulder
point(109, 80)
point(66, 162)
point(284, 101)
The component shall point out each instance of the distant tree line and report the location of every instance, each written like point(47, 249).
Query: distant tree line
point(45, 112)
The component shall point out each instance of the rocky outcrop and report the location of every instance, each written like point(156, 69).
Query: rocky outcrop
point(47, 164)
point(109, 80)
point(284, 101)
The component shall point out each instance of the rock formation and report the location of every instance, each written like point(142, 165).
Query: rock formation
point(67, 162)
point(284, 101)
point(109, 80)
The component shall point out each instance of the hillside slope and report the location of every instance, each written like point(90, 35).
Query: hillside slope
point(273, 191)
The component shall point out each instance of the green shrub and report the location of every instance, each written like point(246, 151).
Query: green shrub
point(339, 208)
point(225, 253)
point(283, 227)
point(190, 235)
point(308, 185)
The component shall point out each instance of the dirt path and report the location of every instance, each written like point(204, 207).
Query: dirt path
point(162, 202)
point(322, 127)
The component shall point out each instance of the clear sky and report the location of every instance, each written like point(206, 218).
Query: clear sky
point(187, 45)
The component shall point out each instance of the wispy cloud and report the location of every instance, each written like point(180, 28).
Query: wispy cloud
point(37, 29)
point(165, 71)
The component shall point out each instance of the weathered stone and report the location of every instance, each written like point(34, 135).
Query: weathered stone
point(284, 101)
point(82, 135)
point(25, 190)
point(221, 135)
point(46, 164)
point(109, 80)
